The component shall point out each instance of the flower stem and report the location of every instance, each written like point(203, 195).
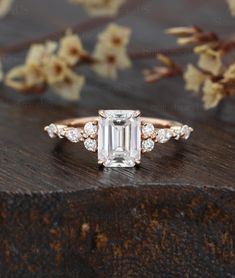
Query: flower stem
point(152, 53)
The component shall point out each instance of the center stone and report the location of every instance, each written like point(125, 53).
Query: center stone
point(119, 138)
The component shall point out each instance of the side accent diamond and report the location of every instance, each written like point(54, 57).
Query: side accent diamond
point(148, 145)
point(148, 130)
point(186, 131)
point(164, 135)
point(90, 144)
point(90, 129)
point(52, 130)
point(73, 135)
point(176, 132)
point(61, 132)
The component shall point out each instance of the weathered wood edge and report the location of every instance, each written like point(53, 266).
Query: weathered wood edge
point(169, 230)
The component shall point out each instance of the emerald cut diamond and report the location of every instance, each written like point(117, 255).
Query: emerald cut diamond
point(119, 138)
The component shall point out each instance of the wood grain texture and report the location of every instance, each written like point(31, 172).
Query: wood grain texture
point(61, 216)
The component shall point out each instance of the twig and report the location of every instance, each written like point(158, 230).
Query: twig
point(80, 28)
point(145, 54)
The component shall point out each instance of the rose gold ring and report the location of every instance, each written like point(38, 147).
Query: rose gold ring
point(119, 136)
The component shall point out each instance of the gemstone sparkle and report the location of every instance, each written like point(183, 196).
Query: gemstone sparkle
point(90, 129)
point(164, 135)
point(119, 138)
point(90, 144)
point(73, 135)
point(52, 130)
point(186, 132)
point(148, 130)
point(148, 145)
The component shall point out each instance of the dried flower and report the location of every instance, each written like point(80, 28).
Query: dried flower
point(110, 51)
point(169, 69)
point(71, 48)
point(211, 60)
point(52, 65)
point(38, 52)
point(70, 87)
point(115, 36)
point(100, 7)
point(33, 75)
point(156, 74)
point(187, 41)
point(25, 77)
point(1, 72)
point(194, 78)
point(15, 78)
point(184, 31)
point(231, 4)
point(110, 60)
point(55, 69)
point(192, 35)
point(229, 74)
point(5, 6)
point(213, 93)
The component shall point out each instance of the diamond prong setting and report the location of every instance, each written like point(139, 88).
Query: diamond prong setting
point(101, 113)
point(137, 113)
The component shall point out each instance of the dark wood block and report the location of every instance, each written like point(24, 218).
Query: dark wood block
point(62, 216)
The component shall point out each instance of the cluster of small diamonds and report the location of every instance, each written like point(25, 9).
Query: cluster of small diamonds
point(71, 133)
point(90, 134)
point(175, 132)
point(87, 135)
point(151, 135)
point(148, 134)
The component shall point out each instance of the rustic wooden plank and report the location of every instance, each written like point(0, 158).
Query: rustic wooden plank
point(61, 216)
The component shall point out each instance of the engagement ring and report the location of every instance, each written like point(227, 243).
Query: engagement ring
point(119, 136)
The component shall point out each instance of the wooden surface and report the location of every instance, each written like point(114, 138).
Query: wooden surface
point(61, 216)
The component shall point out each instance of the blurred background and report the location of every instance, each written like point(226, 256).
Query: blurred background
point(28, 20)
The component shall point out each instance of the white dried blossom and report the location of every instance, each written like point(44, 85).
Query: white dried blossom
point(53, 64)
point(70, 87)
point(115, 36)
point(100, 7)
point(231, 4)
point(1, 72)
point(34, 75)
point(183, 31)
point(229, 74)
point(110, 60)
point(213, 93)
point(25, 77)
point(38, 52)
point(5, 7)
point(71, 48)
point(55, 69)
point(194, 78)
point(15, 78)
point(210, 60)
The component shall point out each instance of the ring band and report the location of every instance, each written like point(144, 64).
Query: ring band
point(119, 136)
